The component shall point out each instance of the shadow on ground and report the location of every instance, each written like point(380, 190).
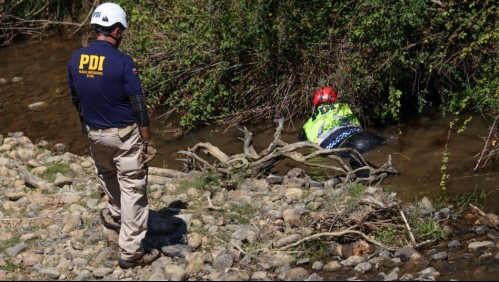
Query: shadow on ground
point(164, 228)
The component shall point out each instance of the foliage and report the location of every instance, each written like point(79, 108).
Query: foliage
point(391, 110)
point(34, 17)
point(389, 236)
point(9, 243)
point(443, 171)
point(446, 155)
point(197, 183)
point(429, 229)
point(460, 203)
point(253, 61)
point(51, 173)
point(315, 250)
point(424, 226)
point(349, 199)
point(239, 61)
point(242, 213)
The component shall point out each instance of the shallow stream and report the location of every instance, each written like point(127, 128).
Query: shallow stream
point(416, 147)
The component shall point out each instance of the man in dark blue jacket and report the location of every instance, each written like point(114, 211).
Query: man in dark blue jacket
point(106, 90)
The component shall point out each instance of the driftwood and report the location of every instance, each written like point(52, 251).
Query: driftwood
point(491, 220)
point(255, 164)
point(490, 148)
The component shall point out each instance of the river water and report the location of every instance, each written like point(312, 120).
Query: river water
point(416, 146)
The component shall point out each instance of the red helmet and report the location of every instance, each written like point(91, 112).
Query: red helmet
point(324, 95)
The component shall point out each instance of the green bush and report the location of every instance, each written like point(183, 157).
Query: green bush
point(239, 61)
point(252, 61)
point(36, 17)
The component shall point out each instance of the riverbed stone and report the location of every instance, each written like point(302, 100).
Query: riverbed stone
point(244, 235)
point(51, 272)
point(296, 274)
point(39, 170)
point(71, 222)
point(194, 262)
point(426, 207)
point(17, 79)
point(281, 259)
point(296, 172)
point(274, 179)
point(194, 240)
point(303, 261)
point(332, 266)
point(440, 256)
point(76, 168)
point(235, 275)
point(30, 259)
point(87, 164)
point(15, 250)
point(294, 194)
point(274, 214)
point(393, 275)
point(176, 273)
point(101, 272)
point(354, 260)
point(454, 244)
point(405, 253)
point(223, 260)
point(15, 196)
point(363, 267)
point(38, 106)
point(292, 216)
point(427, 272)
point(259, 275)
point(286, 240)
point(407, 277)
point(480, 230)
point(24, 154)
point(318, 265)
point(177, 250)
point(476, 246)
point(28, 237)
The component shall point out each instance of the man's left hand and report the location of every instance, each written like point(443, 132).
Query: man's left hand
point(148, 153)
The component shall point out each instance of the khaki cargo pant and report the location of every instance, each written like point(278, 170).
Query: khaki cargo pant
point(117, 162)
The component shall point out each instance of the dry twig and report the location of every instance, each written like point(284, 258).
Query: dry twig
point(334, 234)
point(490, 148)
point(484, 218)
point(413, 240)
point(210, 204)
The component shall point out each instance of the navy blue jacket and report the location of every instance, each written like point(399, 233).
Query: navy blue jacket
point(101, 78)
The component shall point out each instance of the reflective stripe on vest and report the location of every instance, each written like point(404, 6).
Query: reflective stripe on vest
point(328, 118)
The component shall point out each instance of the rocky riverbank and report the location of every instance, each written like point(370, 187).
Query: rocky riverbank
point(256, 229)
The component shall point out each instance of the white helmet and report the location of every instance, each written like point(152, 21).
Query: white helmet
point(108, 14)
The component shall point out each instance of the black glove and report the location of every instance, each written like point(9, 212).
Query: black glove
point(83, 125)
point(148, 153)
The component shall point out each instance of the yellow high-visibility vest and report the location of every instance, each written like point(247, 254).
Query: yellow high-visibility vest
point(327, 119)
